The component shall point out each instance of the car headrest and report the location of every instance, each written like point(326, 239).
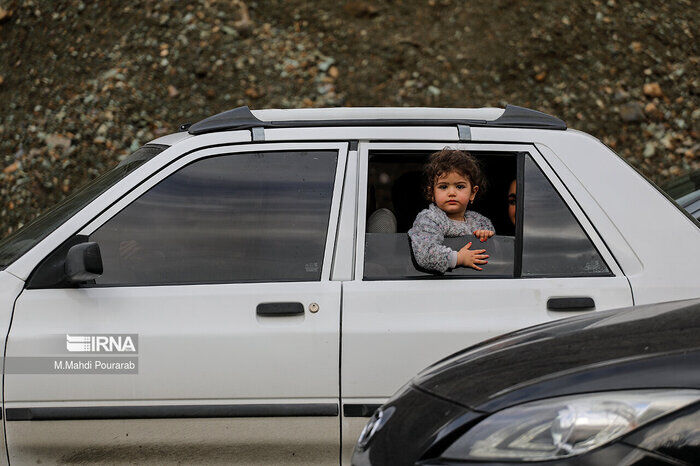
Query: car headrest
point(381, 221)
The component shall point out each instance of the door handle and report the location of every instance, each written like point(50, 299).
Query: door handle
point(279, 309)
point(583, 303)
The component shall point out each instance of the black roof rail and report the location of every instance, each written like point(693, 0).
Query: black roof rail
point(243, 118)
point(521, 117)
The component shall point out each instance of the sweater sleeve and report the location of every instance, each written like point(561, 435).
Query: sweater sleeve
point(426, 240)
point(480, 222)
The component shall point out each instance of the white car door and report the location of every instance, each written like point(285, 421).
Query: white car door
point(397, 320)
point(212, 335)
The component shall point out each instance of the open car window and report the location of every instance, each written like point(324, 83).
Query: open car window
point(551, 244)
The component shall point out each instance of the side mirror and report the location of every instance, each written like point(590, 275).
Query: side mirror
point(83, 262)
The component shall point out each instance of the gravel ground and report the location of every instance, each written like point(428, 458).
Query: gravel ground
point(82, 84)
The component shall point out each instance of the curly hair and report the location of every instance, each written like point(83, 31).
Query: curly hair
point(451, 160)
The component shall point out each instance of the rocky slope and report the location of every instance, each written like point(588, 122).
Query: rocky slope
point(84, 83)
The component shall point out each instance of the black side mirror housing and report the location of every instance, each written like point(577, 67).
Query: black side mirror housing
point(83, 262)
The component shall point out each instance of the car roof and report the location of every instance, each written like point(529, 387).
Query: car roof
point(244, 118)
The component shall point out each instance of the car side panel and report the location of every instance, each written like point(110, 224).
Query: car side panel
point(307, 440)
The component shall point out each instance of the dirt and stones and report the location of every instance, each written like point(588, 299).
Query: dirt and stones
point(82, 84)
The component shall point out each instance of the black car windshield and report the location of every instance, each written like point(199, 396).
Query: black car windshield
point(15, 245)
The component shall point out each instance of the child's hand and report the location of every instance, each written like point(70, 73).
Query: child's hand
point(470, 258)
point(483, 235)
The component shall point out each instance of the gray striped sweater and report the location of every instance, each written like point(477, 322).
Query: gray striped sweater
point(430, 229)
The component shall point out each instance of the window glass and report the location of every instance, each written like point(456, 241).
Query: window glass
point(554, 244)
point(253, 217)
point(14, 246)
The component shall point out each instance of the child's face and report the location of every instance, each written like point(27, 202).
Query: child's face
point(452, 193)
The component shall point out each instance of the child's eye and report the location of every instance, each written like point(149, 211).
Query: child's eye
point(460, 186)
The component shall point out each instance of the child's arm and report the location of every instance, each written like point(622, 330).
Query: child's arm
point(428, 250)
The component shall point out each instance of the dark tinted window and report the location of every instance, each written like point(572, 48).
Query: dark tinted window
point(14, 246)
point(554, 244)
point(253, 217)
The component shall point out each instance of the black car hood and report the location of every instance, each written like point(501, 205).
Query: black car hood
point(481, 377)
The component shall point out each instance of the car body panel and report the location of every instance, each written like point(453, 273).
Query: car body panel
point(221, 441)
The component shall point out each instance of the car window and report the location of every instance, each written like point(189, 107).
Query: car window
point(395, 196)
point(552, 243)
point(14, 246)
point(253, 217)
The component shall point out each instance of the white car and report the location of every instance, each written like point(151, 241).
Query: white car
point(243, 291)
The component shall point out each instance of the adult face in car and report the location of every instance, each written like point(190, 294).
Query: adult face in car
point(511, 202)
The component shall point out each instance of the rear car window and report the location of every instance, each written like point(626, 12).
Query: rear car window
point(395, 196)
point(552, 242)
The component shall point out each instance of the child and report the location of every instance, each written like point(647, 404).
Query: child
point(453, 179)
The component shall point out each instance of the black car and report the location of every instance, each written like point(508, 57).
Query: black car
point(615, 387)
point(686, 191)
